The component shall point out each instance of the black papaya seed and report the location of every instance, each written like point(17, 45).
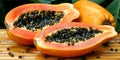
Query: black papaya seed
point(72, 35)
point(38, 19)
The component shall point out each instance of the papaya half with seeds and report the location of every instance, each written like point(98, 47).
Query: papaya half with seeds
point(24, 21)
point(72, 39)
point(93, 13)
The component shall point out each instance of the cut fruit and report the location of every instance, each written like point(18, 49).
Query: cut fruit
point(24, 21)
point(47, 43)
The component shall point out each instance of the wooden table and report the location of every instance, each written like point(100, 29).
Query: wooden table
point(11, 51)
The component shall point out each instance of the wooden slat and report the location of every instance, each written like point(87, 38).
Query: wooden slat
point(7, 46)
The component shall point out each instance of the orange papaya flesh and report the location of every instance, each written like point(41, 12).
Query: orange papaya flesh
point(25, 36)
point(79, 48)
point(93, 13)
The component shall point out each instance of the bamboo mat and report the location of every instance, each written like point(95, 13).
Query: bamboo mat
point(11, 51)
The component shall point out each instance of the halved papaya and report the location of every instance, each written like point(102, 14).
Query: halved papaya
point(24, 21)
point(72, 39)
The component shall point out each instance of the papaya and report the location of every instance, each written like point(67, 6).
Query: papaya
point(93, 13)
point(72, 39)
point(23, 21)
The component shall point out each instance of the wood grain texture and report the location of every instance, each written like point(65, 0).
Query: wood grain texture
point(11, 51)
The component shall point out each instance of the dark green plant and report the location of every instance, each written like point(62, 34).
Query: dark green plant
point(54, 1)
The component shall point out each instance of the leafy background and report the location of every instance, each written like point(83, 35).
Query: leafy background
point(112, 6)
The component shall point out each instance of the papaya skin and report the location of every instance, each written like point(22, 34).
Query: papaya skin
point(93, 13)
point(25, 37)
point(21, 38)
point(78, 49)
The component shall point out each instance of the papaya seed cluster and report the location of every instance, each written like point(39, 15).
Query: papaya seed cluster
point(34, 20)
point(72, 35)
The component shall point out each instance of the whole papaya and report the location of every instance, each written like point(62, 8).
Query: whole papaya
point(93, 13)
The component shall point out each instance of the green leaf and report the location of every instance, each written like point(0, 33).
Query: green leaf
point(114, 8)
point(35, 1)
point(42, 1)
point(74, 1)
point(45, 1)
point(54, 1)
point(118, 22)
point(98, 1)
